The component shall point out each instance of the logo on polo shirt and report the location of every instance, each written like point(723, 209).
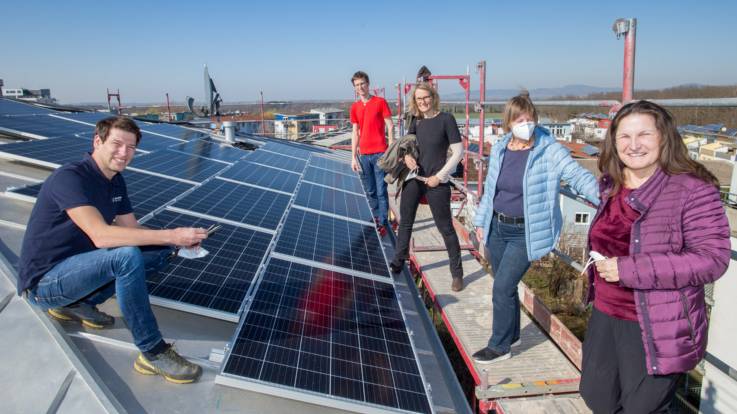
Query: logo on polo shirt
point(117, 199)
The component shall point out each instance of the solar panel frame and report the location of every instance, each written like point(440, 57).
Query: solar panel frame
point(178, 165)
point(326, 337)
point(252, 206)
point(337, 181)
point(323, 199)
point(274, 160)
point(333, 243)
point(198, 285)
point(262, 176)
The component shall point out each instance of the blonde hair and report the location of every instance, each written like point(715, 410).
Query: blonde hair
point(424, 86)
point(520, 104)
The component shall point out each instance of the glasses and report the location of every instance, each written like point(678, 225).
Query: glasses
point(423, 98)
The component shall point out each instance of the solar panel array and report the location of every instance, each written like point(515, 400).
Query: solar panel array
point(297, 261)
point(43, 126)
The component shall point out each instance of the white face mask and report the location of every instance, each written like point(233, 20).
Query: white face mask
point(524, 130)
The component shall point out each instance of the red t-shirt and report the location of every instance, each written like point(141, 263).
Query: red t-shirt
point(610, 236)
point(371, 127)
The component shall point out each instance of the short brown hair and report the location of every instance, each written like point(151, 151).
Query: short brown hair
point(360, 75)
point(424, 86)
point(673, 158)
point(104, 126)
point(520, 104)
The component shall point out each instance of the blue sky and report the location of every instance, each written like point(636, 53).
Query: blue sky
point(308, 50)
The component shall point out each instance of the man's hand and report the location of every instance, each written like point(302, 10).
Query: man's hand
point(410, 162)
point(188, 236)
point(354, 165)
point(607, 269)
point(433, 181)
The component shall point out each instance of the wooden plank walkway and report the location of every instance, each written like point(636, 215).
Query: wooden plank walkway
point(537, 366)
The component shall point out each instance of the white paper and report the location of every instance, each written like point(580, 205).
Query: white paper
point(192, 253)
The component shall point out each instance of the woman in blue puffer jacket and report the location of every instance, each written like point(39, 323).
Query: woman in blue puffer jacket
point(519, 215)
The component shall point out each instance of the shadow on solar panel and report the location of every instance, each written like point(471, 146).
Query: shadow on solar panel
point(327, 338)
point(216, 284)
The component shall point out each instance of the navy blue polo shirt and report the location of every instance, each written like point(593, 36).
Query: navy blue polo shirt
point(51, 236)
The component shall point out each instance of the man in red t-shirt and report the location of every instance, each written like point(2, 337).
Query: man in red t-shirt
point(371, 118)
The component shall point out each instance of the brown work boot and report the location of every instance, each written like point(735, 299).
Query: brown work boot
point(457, 284)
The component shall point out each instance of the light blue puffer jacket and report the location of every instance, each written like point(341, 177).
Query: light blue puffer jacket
point(549, 162)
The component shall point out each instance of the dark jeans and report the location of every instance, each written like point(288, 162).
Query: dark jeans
point(507, 252)
point(94, 277)
point(373, 183)
point(614, 377)
point(439, 200)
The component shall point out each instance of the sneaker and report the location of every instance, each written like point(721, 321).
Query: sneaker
point(517, 343)
point(396, 268)
point(457, 284)
point(87, 314)
point(489, 356)
point(170, 365)
point(382, 230)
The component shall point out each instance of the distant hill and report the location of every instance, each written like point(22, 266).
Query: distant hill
point(537, 93)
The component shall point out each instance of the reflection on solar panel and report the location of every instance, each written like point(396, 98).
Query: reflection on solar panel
point(12, 108)
point(88, 117)
point(146, 192)
point(151, 142)
point(218, 281)
point(49, 152)
point(286, 149)
point(173, 131)
point(271, 159)
point(236, 202)
point(333, 180)
point(333, 201)
point(212, 150)
point(262, 176)
point(43, 125)
point(327, 240)
point(332, 165)
point(329, 337)
point(176, 164)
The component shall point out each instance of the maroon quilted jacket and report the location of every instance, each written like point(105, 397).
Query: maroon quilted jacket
point(679, 244)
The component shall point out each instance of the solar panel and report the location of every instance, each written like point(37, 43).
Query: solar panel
point(210, 149)
point(333, 180)
point(286, 149)
point(333, 201)
point(332, 165)
point(51, 152)
point(271, 159)
point(236, 202)
point(216, 284)
point(43, 125)
point(329, 338)
point(332, 241)
point(262, 176)
point(146, 192)
point(176, 164)
point(12, 108)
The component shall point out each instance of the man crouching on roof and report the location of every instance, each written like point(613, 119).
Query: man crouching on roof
point(81, 247)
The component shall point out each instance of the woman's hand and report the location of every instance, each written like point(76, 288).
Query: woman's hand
point(433, 181)
point(607, 269)
point(480, 234)
point(410, 162)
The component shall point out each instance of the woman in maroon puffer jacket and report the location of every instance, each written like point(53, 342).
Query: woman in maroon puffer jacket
point(664, 232)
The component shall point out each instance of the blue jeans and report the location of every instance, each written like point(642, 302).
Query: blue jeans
point(94, 277)
point(507, 250)
point(373, 183)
